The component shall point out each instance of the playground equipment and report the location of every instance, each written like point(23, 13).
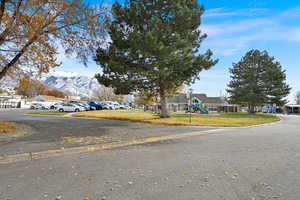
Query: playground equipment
point(268, 109)
point(200, 108)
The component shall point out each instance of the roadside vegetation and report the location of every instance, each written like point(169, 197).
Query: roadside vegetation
point(48, 113)
point(6, 127)
point(223, 120)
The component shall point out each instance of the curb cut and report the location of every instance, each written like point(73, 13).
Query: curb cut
point(6, 159)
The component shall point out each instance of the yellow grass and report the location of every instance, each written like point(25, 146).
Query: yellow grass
point(6, 127)
point(223, 120)
point(48, 113)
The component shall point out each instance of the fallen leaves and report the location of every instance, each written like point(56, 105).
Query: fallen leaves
point(7, 127)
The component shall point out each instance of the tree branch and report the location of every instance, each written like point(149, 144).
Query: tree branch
point(2, 9)
point(17, 57)
point(7, 30)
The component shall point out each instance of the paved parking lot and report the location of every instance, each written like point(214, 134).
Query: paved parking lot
point(47, 131)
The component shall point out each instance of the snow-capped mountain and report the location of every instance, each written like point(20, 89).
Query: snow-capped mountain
point(71, 83)
point(9, 82)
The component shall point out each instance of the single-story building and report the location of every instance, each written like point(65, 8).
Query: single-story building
point(292, 109)
point(10, 101)
point(213, 104)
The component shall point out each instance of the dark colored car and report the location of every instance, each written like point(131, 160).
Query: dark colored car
point(96, 105)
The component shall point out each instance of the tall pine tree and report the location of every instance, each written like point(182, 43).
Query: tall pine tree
point(258, 79)
point(154, 47)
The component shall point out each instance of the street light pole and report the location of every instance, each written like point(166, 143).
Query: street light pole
point(191, 92)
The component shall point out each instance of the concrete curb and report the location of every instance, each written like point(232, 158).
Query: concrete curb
point(261, 125)
point(6, 159)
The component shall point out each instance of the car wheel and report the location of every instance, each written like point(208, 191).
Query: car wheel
point(76, 110)
point(61, 110)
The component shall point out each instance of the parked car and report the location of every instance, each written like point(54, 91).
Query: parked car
point(87, 106)
point(53, 106)
point(96, 105)
point(116, 106)
point(36, 106)
point(106, 106)
point(124, 107)
point(69, 107)
point(110, 105)
point(78, 103)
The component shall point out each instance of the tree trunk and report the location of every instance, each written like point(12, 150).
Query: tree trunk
point(163, 101)
point(164, 111)
point(251, 108)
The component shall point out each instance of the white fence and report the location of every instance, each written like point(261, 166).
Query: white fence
point(9, 104)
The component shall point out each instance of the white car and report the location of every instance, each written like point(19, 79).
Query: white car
point(124, 107)
point(116, 106)
point(36, 106)
point(69, 107)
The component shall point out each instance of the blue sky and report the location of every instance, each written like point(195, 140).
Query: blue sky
point(235, 27)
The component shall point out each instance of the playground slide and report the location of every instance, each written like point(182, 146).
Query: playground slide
point(204, 110)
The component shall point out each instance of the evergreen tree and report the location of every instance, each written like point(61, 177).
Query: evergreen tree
point(154, 47)
point(276, 88)
point(297, 98)
point(257, 79)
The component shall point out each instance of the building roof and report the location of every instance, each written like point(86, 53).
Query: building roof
point(216, 100)
point(293, 106)
point(182, 98)
point(201, 97)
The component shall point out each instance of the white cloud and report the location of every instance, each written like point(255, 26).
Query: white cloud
point(228, 38)
point(291, 13)
point(224, 12)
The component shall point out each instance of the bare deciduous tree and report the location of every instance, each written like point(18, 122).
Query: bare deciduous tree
point(107, 94)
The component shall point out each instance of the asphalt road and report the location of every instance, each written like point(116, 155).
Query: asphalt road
point(47, 131)
point(259, 163)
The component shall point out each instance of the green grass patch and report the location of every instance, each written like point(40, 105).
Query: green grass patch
point(48, 113)
point(222, 120)
point(6, 127)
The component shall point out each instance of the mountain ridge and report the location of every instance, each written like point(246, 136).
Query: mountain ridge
point(71, 83)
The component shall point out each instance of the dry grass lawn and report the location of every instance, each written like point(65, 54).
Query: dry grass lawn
point(6, 127)
point(222, 120)
point(48, 113)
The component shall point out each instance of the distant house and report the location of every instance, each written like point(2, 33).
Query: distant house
point(292, 109)
point(181, 102)
point(10, 101)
